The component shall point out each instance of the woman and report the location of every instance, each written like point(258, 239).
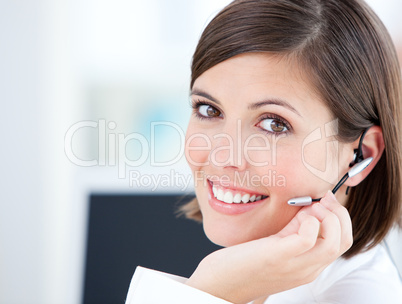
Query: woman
point(287, 95)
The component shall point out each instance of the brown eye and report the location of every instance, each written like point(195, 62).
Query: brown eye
point(273, 125)
point(208, 111)
point(277, 126)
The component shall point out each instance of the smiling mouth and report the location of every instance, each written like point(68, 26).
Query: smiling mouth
point(230, 196)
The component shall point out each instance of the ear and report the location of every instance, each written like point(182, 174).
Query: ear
point(372, 146)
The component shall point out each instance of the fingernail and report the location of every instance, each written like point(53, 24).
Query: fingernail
point(302, 214)
point(331, 196)
point(318, 205)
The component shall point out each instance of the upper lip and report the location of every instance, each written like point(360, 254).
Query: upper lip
point(231, 186)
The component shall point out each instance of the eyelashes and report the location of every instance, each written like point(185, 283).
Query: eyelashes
point(269, 122)
point(205, 110)
point(274, 123)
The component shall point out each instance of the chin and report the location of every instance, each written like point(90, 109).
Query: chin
point(229, 234)
point(224, 240)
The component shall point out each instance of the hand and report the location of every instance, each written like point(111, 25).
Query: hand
point(313, 239)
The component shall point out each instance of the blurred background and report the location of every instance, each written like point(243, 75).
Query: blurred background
point(80, 84)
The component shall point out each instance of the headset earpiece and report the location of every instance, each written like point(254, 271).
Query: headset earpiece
point(357, 157)
point(358, 153)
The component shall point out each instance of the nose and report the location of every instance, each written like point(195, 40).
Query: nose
point(227, 147)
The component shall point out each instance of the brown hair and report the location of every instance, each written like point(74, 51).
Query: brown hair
point(348, 54)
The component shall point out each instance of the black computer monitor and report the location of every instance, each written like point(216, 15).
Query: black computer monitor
point(125, 231)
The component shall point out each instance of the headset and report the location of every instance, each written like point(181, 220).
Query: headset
point(357, 165)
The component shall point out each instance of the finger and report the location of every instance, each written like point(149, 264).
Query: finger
point(327, 247)
point(305, 238)
point(331, 236)
point(323, 214)
point(330, 230)
point(293, 226)
point(329, 201)
point(309, 226)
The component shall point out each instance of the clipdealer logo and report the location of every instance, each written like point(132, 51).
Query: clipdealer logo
point(116, 146)
point(330, 173)
point(112, 148)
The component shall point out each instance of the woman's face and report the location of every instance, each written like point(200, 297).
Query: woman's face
point(258, 136)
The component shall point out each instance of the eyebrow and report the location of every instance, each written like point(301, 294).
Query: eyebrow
point(274, 101)
point(254, 106)
point(204, 94)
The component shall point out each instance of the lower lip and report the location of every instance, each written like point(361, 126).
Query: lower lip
point(230, 209)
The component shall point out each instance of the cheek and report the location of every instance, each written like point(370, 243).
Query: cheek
point(260, 150)
point(313, 154)
point(197, 148)
point(321, 159)
point(282, 177)
point(286, 175)
point(295, 176)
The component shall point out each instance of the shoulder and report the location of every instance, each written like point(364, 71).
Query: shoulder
point(368, 277)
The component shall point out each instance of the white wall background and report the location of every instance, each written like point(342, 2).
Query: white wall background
point(52, 54)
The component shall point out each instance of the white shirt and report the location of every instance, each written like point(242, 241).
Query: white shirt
point(369, 278)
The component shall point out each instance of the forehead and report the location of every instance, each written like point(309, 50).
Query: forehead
point(252, 77)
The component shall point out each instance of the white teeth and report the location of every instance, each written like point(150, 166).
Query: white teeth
point(245, 198)
point(228, 198)
point(220, 195)
point(214, 190)
point(237, 198)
